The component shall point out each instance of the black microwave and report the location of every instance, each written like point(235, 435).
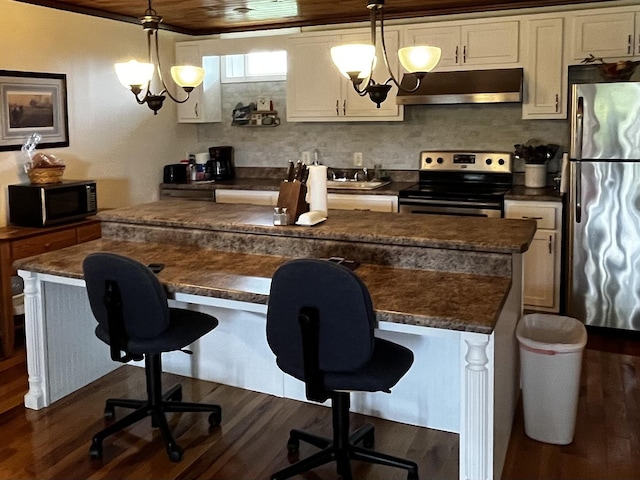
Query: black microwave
point(34, 205)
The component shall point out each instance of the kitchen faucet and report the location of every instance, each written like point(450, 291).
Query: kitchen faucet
point(364, 172)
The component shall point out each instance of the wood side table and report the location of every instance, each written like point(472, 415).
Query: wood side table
point(20, 242)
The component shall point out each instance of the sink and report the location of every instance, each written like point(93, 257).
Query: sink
point(356, 185)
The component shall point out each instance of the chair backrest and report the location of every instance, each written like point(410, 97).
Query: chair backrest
point(343, 307)
point(144, 310)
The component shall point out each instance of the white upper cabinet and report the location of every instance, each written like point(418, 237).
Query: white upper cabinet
point(205, 101)
point(490, 44)
point(606, 35)
point(545, 80)
point(317, 92)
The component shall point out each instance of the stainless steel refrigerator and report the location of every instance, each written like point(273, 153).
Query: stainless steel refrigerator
point(603, 281)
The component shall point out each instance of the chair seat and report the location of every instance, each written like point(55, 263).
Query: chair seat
point(379, 374)
point(185, 327)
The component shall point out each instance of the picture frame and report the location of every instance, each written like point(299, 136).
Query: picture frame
point(33, 102)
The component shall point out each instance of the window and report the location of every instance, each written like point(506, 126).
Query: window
point(254, 67)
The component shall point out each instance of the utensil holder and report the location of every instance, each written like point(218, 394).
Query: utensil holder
point(535, 175)
point(292, 197)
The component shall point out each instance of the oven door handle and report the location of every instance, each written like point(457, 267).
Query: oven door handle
point(451, 203)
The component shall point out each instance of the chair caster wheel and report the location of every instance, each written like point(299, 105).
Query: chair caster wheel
point(95, 451)
point(293, 445)
point(175, 453)
point(215, 418)
point(109, 412)
point(369, 439)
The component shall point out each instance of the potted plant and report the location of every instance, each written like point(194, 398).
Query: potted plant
point(535, 159)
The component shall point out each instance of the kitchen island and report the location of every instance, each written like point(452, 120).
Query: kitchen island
point(447, 288)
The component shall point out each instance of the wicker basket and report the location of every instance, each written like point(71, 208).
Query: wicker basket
point(46, 175)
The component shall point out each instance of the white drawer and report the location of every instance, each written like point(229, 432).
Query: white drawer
point(545, 216)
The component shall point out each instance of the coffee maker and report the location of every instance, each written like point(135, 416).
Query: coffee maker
point(220, 166)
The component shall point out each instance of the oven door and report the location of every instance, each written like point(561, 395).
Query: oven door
point(430, 206)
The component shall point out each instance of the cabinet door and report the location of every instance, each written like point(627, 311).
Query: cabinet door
point(610, 35)
point(490, 43)
point(376, 203)
point(205, 101)
point(362, 106)
point(539, 270)
point(313, 81)
point(545, 77)
point(252, 197)
point(447, 38)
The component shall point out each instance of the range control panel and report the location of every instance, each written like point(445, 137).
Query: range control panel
point(496, 162)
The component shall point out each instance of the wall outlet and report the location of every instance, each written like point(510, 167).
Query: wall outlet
point(306, 158)
point(357, 159)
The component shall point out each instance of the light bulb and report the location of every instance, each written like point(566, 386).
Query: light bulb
point(187, 76)
point(134, 73)
point(419, 58)
point(354, 58)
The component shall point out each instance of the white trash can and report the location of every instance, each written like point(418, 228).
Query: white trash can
point(551, 349)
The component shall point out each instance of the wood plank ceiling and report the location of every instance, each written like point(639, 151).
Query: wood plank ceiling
point(205, 17)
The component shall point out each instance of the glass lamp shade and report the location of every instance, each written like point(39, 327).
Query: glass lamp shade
point(134, 73)
point(187, 76)
point(419, 58)
point(354, 58)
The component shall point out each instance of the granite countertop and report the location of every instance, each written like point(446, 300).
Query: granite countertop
point(547, 194)
point(496, 235)
point(453, 301)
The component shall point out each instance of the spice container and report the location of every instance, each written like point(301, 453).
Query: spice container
point(280, 216)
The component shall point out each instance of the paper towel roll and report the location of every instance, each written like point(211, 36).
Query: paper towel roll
point(564, 174)
point(317, 188)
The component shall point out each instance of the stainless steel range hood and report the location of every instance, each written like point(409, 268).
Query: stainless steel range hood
point(477, 86)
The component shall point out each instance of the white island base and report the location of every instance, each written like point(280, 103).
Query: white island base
point(460, 382)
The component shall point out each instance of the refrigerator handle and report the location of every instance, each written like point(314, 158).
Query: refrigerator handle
point(576, 134)
point(578, 191)
point(576, 148)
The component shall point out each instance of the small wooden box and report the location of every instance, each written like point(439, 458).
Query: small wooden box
point(292, 197)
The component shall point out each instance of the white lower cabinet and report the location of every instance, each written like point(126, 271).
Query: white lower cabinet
point(252, 197)
point(376, 203)
point(337, 201)
point(542, 260)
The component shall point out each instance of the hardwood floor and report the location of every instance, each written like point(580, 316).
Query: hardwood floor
point(251, 442)
point(607, 436)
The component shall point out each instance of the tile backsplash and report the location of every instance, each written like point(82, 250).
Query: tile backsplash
point(394, 145)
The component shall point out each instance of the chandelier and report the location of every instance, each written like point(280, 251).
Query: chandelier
point(137, 76)
point(357, 61)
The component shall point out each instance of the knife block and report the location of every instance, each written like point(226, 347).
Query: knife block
point(292, 197)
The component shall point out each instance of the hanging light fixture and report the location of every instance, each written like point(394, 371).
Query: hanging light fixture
point(137, 76)
point(357, 61)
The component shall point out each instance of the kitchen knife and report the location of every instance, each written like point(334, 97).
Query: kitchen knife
point(289, 177)
point(296, 171)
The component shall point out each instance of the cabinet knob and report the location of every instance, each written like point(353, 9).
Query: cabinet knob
point(457, 53)
point(337, 107)
point(557, 103)
point(629, 45)
point(550, 244)
point(464, 54)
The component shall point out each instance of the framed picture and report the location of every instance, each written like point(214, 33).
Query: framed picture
point(33, 102)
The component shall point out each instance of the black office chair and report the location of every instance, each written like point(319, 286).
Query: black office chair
point(320, 326)
point(135, 320)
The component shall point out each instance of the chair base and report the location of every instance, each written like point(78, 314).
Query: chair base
point(155, 406)
point(343, 448)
